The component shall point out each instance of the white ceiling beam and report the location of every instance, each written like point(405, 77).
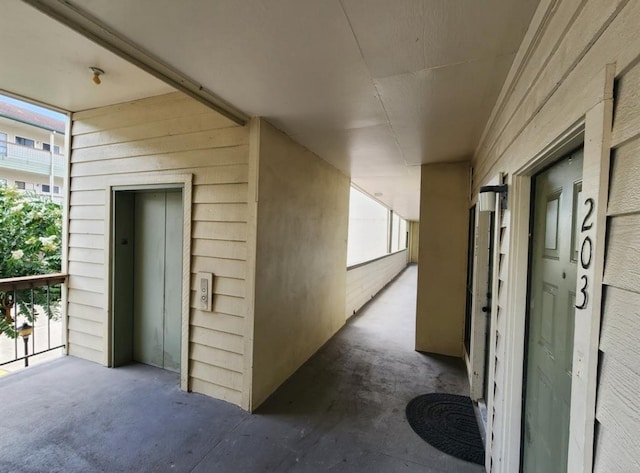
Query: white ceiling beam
point(88, 26)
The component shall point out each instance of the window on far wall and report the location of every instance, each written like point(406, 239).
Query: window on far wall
point(3, 144)
point(395, 232)
point(374, 230)
point(25, 142)
point(20, 185)
point(46, 188)
point(398, 233)
point(56, 190)
point(47, 147)
point(368, 228)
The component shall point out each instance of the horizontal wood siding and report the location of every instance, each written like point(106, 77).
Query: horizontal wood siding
point(365, 281)
point(557, 77)
point(170, 134)
point(617, 411)
point(542, 98)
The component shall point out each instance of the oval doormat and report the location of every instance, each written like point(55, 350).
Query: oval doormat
point(447, 422)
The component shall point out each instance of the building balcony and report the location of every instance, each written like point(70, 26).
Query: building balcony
point(32, 160)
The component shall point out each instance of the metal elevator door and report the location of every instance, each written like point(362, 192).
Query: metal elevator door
point(157, 283)
point(147, 278)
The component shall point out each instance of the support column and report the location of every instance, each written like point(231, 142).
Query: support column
point(444, 207)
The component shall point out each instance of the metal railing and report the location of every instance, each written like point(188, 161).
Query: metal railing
point(26, 158)
point(30, 313)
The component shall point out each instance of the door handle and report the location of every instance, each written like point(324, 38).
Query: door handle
point(486, 309)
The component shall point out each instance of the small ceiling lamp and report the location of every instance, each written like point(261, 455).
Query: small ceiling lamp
point(487, 197)
point(97, 72)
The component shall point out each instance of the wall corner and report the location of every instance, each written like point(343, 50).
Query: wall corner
point(442, 259)
point(252, 239)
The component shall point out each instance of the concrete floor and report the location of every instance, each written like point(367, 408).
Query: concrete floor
point(343, 411)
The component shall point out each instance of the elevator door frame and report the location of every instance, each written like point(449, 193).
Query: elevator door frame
point(133, 183)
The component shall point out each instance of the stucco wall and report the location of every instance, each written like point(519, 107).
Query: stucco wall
point(444, 209)
point(40, 136)
point(303, 206)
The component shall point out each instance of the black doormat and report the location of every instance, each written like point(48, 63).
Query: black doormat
point(447, 422)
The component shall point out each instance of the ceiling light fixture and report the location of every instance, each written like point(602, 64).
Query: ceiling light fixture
point(97, 72)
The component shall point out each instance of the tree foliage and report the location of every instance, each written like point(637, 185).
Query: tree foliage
point(30, 244)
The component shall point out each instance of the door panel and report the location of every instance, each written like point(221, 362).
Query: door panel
point(471, 243)
point(550, 323)
point(173, 282)
point(148, 298)
point(488, 328)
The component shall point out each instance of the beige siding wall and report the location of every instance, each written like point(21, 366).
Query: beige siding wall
point(617, 412)
point(558, 76)
point(365, 281)
point(444, 220)
point(303, 207)
point(170, 134)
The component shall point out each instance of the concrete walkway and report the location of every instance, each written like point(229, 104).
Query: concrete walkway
point(343, 411)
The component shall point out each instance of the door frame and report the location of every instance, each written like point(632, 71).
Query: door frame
point(565, 152)
point(593, 130)
point(480, 319)
point(142, 182)
point(517, 290)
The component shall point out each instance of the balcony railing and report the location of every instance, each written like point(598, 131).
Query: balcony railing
point(30, 317)
point(25, 158)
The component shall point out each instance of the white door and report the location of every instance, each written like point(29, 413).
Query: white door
point(550, 324)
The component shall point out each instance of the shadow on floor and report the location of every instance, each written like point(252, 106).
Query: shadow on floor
point(343, 411)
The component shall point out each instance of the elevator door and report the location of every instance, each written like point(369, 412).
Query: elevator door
point(157, 286)
point(147, 278)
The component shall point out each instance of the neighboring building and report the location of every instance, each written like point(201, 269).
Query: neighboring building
point(26, 140)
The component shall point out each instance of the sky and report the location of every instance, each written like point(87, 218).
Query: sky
point(35, 108)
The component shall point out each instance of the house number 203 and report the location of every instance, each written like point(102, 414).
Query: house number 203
point(586, 252)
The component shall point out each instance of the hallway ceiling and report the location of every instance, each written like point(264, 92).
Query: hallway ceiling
point(375, 87)
point(43, 60)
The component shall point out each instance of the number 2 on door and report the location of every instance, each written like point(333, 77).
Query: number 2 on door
point(586, 253)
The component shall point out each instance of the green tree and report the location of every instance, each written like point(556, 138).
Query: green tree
point(30, 244)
